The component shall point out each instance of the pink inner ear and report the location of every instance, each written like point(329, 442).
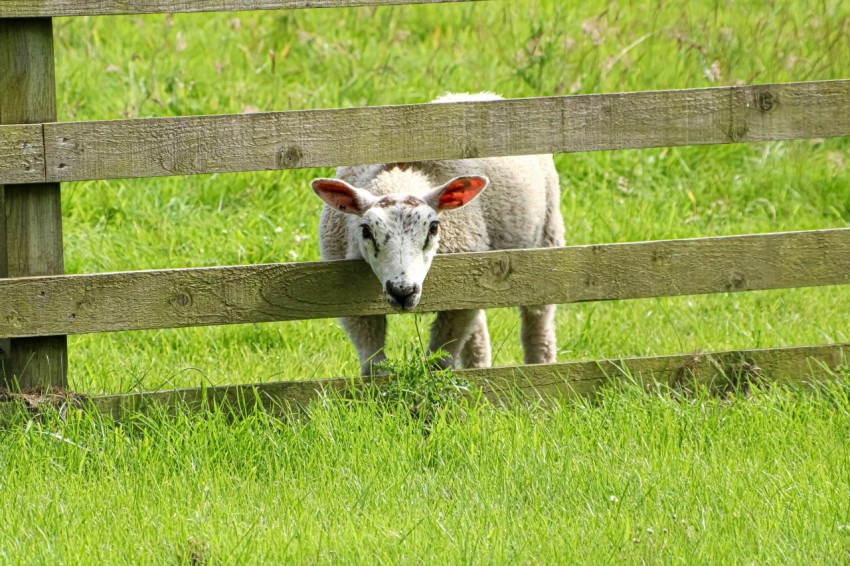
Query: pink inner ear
point(336, 194)
point(461, 191)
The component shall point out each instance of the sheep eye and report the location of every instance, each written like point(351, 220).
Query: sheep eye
point(432, 232)
point(367, 233)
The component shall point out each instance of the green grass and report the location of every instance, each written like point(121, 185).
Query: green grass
point(761, 479)
point(630, 478)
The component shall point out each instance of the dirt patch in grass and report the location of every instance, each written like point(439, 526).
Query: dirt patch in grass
point(38, 398)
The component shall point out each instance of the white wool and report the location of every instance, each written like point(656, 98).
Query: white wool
point(467, 97)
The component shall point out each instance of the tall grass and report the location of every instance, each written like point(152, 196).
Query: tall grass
point(630, 477)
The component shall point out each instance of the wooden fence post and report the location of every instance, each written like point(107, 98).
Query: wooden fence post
point(31, 226)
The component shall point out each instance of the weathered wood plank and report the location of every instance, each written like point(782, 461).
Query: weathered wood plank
point(32, 239)
point(56, 8)
point(246, 142)
point(719, 371)
point(75, 304)
point(318, 138)
point(21, 154)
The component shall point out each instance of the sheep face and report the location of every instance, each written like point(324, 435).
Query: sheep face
point(398, 234)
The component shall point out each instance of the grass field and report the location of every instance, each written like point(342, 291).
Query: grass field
point(632, 478)
point(637, 478)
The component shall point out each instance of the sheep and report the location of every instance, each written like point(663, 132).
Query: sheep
point(398, 216)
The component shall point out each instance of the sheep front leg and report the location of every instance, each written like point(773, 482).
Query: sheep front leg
point(538, 334)
point(369, 335)
point(450, 331)
point(476, 350)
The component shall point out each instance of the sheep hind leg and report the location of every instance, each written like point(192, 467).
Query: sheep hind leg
point(476, 351)
point(539, 345)
point(538, 334)
point(450, 331)
point(369, 335)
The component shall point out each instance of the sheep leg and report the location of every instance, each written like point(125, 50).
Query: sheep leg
point(450, 331)
point(368, 334)
point(539, 345)
point(476, 351)
point(538, 334)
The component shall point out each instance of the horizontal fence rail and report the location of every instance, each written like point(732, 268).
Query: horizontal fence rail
point(76, 304)
point(57, 8)
point(718, 371)
point(76, 151)
point(22, 154)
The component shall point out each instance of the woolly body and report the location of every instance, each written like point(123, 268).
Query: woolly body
point(519, 209)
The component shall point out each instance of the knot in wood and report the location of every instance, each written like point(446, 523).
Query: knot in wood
point(765, 101)
point(13, 319)
point(736, 282)
point(662, 257)
point(497, 274)
point(501, 269)
point(182, 299)
point(290, 157)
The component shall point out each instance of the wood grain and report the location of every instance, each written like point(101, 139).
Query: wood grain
point(718, 371)
point(75, 304)
point(21, 154)
point(318, 138)
point(56, 8)
point(31, 242)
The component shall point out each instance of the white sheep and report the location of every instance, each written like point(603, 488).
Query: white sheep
point(397, 217)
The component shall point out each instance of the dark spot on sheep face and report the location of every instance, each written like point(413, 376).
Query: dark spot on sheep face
point(385, 202)
point(390, 201)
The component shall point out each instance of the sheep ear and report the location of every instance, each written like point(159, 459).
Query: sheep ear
point(341, 196)
point(456, 193)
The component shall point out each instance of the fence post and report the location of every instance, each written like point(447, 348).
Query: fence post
point(31, 227)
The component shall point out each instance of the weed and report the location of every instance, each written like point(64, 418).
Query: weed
point(419, 385)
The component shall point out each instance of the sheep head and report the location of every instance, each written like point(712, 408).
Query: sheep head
point(398, 234)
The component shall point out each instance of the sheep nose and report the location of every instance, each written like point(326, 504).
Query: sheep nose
point(402, 294)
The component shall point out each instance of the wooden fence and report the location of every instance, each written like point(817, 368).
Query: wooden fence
point(39, 305)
